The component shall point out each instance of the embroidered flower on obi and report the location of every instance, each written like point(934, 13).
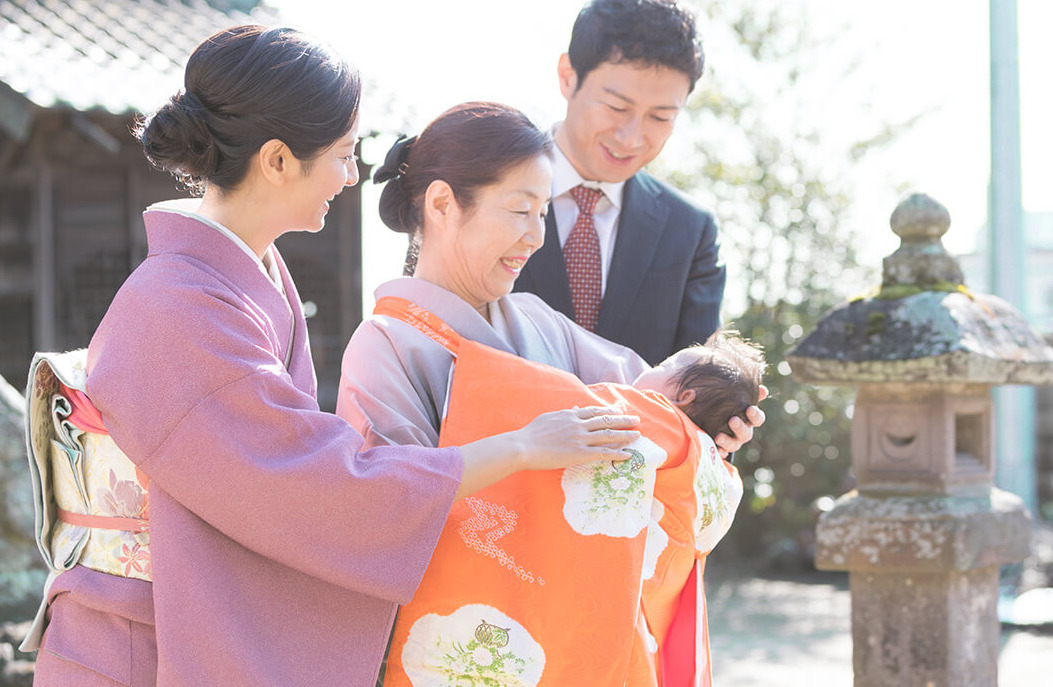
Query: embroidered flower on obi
point(474, 645)
point(135, 557)
point(123, 498)
point(613, 498)
point(45, 384)
point(114, 488)
point(718, 491)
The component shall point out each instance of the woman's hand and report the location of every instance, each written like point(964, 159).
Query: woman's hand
point(568, 437)
point(743, 432)
point(554, 440)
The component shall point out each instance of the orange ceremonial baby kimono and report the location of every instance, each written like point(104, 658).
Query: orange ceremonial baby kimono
point(582, 576)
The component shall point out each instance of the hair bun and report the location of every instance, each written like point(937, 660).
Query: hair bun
point(396, 204)
point(243, 86)
point(396, 207)
point(469, 147)
point(189, 102)
point(177, 138)
point(396, 162)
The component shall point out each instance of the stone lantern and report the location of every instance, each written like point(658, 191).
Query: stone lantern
point(925, 532)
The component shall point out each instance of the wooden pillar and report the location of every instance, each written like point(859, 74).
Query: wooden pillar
point(44, 261)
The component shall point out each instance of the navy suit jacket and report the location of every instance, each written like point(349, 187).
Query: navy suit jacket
point(665, 283)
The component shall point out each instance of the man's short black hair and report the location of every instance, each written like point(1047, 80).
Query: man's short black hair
point(647, 32)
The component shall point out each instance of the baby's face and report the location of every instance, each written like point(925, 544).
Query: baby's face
point(662, 377)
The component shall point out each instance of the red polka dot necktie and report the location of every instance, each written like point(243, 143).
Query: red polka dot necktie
point(581, 253)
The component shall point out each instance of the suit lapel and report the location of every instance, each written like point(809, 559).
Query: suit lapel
point(546, 272)
point(640, 228)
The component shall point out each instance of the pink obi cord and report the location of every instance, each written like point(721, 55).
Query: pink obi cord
point(103, 522)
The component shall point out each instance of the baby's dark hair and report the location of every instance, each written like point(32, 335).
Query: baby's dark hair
point(726, 382)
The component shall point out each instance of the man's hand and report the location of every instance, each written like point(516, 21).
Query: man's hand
point(743, 432)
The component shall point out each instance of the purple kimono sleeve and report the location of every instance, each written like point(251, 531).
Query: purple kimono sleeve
point(300, 491)
point(192, 390)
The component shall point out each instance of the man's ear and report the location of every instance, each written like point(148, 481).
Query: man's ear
point(275, 161)
point(439, 202)
point(568, 78)
point(684, 398)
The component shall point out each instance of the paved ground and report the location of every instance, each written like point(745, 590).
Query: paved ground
point(797, 632)
point(764, 632)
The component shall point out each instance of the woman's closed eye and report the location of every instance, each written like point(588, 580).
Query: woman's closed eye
point(530, 212)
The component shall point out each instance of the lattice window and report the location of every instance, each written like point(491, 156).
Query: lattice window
point(87, 293)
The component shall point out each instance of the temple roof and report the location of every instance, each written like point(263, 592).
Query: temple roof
point(124, 56)
point(118, 55)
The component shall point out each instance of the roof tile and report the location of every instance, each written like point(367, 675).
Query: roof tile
point(119, 55)
point(127, 56)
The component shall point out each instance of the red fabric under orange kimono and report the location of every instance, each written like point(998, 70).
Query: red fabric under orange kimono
point(538, 579)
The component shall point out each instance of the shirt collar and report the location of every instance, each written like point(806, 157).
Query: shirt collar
point(565, 177)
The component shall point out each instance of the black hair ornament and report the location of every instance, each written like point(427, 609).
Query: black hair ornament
point(396, 161)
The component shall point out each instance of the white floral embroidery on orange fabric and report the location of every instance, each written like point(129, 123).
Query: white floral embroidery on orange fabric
point(474, 645)
point(613, 498)
point(493, 521)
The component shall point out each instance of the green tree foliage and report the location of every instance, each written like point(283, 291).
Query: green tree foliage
point(778, 183)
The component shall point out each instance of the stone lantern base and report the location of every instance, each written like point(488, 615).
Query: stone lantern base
point(925, 629)
point(923, 571)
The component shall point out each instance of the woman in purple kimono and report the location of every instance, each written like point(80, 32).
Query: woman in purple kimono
point(280, 548)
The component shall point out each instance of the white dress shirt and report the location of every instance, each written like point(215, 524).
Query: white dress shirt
point(564, 178)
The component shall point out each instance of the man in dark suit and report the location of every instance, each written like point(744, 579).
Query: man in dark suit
point(627, 74)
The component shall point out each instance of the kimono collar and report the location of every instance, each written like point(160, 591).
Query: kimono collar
point(450, 307)
point(187, 207)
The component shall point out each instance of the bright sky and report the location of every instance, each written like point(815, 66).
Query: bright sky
point(915, 55)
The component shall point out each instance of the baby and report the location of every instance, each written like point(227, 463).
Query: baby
point(710, 382)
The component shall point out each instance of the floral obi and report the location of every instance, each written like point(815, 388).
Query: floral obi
point(90, 501)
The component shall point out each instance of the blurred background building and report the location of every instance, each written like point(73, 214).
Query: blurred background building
point(73, 181)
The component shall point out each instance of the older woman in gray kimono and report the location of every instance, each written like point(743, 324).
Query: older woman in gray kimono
point(473, 189)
